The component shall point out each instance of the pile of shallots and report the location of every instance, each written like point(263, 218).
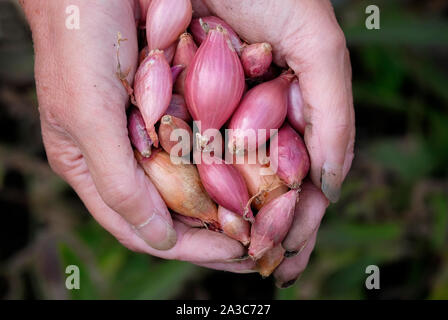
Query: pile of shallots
point(192, 91)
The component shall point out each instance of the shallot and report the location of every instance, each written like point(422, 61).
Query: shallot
point(137, 133)
point(256, 59)
point(270, 260)
point(180, 187)
point(295, 107)
point(185, 52)
point(178, 108)
point(234, 226)
point(262, 183)
point(226, 186)
point(168, 124)
point(264, 107)
point(199, 28)
point(152, 90)
point(215, 81)
point(165, 21)
point(272, 224)
point(289, 156)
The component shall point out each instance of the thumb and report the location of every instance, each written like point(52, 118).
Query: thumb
point(119, 180)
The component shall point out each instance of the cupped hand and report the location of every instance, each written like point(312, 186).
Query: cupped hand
point(82, 105)
point(305, 35)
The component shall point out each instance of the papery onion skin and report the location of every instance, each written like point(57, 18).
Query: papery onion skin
point(256, 59)
point(290, 156)
point(199, 34)
point(191, 222)
point(263, 107)
point(272, 224)
point(262, 188)
point(152, 90)
point(180, 187)
point(270, 261)
point(137, 133)
point(176, 70)
point(215, 81)
point(185, 52)
point(295, 108)
point(226, 186)
point(168, 53)
point(178, 108)
point(165, 21)
point(167, 125)
point(234, 226)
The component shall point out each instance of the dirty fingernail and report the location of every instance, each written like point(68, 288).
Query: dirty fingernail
point(287, 284)
point(293, 253)
point(331, 182)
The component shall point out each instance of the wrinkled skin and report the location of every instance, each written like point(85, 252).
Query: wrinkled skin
point(82, 106)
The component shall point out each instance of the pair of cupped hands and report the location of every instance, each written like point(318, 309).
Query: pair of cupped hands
point(82, 106)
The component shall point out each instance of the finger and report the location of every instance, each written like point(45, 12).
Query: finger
point(324, 73)
point(291, 268)
point(308, 215)
point(246, 266)
point(120, 182)
point(199, 245)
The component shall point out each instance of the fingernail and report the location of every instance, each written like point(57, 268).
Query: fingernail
point(287, 284)
point(290, 254)
point(293, 253)
point(331, 182)
point(157, 233)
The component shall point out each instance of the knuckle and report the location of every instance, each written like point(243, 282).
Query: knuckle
point(121, 193)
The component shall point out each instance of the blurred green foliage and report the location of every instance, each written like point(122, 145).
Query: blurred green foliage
point(394, 207)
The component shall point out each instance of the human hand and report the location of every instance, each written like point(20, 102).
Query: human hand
point(306, 36)
point(82, 106)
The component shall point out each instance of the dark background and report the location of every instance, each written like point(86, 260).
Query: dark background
point(393, 212)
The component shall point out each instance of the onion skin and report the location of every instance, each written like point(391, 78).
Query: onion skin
point(176, 71)
point(262, 188)
point(226, 187)
point(180, 187)
point(178, 108)
point(152, 90)
point(137, 133)
point(234, 226)
point(191, 222)
point(270, 261)
point(167, 125)
point(263, 107)
point(199, 34)
point(165, 21)
point(168, 53)
point(256, 59)
point(185, 52)
point(215, 81)
point(272, 224)
point(295, 108)
point(290, 156)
